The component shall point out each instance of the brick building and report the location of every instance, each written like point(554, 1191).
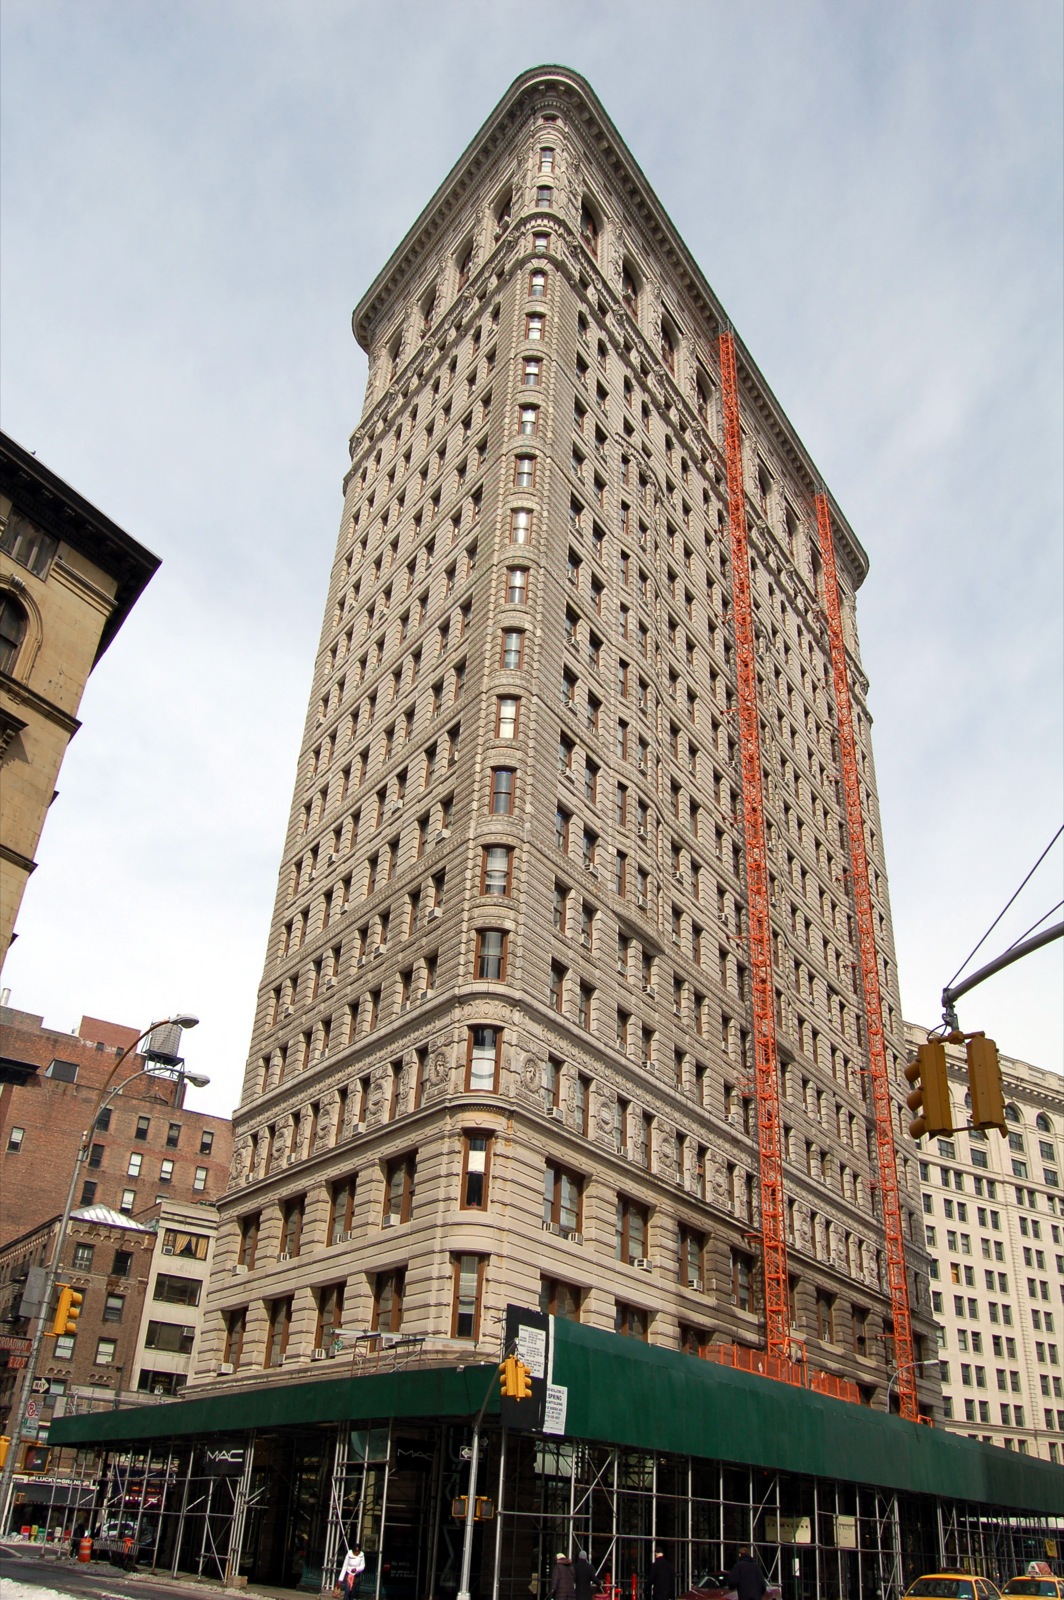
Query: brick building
point(69, 577)
point(148, 1146)
point(142, 1286)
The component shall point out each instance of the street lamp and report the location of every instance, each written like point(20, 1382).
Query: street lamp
point(110, 1089)
point(907, 1366)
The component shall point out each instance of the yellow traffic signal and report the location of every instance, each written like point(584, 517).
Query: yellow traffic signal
point(984, 1083)
point(5, 1443)
point(515, 1380)
point(930, 1094)
point(67, 1311)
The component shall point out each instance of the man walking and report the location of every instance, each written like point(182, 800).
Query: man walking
point(662, 1583)
point(583, 1577)
point(745, 1577)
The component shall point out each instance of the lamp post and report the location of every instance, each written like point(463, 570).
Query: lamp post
point(907, 1366)
point(108, 1092)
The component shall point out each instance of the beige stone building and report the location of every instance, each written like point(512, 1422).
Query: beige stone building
point(502, 1051)
point(994, 1222)
point(68, 579)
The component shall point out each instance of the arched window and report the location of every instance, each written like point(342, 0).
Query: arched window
point(12, 632)
point(589, 229)
point(1012, 1114)
point(503, 213)
point(630, 290)
point(465, 267)
point(1042, 1123)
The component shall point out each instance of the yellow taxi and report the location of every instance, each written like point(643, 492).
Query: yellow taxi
point(952, 1586)
point(1038, 1582)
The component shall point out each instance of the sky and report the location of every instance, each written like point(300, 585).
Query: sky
point(195, 196)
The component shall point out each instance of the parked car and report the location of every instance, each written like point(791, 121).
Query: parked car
point(952, 1586)
point(714, 1586)
point(1037, 1584)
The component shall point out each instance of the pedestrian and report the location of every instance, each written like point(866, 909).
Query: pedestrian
point(350, 1580)
point(661, 1584)
point(745, 1577)
point(583, 1577)
point(563, 1585)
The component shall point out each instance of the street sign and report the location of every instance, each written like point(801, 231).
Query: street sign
point(11, 1341)
point(40, 1385)
point(33, 1410)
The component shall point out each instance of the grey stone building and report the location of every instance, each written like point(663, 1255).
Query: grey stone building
point(502, 1050)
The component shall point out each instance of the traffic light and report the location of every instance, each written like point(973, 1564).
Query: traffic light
point(515, 1380)
point(984, 1083)
point(5, 1443)
point(930, 1093)
point(67, 1311)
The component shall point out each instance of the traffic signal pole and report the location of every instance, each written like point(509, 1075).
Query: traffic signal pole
point(952, 994)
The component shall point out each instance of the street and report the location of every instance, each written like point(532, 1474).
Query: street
point(26, 1573)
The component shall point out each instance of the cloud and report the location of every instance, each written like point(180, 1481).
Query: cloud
point(196, 196)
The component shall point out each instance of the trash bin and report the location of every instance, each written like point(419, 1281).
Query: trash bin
point(85, 1549)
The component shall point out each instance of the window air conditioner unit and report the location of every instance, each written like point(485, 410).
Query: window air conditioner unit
point(556, 1112)
point(224, 1369)
point(585, 940)
point(388, 1220)
point(567, 775)
point(624, 1152)
point(444, 833)
point(641, 832)
point(551, 1227)
point(333, 858)
point(168, 1249)
point(330, 983)
point(241, 1266)
point(284, 1255)
point(397, 805)
point(696, 1285)
point(344, 1238)
point(361, 961)
point(648, 990)
point(572, 1235)
point(644, 1263)
point(679, 878)
point(319, 1353)
point(289, 1011)
point(433, 914)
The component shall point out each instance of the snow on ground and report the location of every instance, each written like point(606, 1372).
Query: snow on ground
point(14, 1590)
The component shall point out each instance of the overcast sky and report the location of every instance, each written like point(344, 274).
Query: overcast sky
point(195, 195)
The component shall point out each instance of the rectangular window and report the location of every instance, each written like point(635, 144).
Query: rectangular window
point(341, 1210)
point(507, 716)
point(631, 1321)
point(476, 1159)
point(482, 1066)
point(113, 1307)
point(399, 1180)
point(192, 1246)
point(490, 957)
point(520, 527)
point(512, 654)
point(468, 1286)
point(105, 1352)
point(143, 1125)
point(206, 1144)
point(135, 1163)
point(177, 1291)
point(166, 1172)
point(742, 1272)
point(278, 1329)
point(330, 1315)
point(292, 1214)
point(83, 1257)
point(128, 1201)
point(502, 791)
point(496, 870)
point(558, 1299)
point(562, 1200)
point(235, 1326)
point(15, 1138)
point(516, 586)
point(388, 1301)
point(632, 1222)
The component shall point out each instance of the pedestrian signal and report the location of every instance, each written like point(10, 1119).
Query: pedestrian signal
point(984, 1083)
point(67, 1311)
point(930, 1093)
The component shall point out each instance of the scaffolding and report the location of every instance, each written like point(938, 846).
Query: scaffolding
point(879, 1073)
point(766, 1066)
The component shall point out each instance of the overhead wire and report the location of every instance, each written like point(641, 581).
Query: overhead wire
point(1005, 908)
point(1033, 926)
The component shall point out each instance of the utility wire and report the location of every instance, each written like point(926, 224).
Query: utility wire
point(1001, 913)
point(1033, 926)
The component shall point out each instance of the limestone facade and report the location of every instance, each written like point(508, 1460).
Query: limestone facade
point(502, 1045)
